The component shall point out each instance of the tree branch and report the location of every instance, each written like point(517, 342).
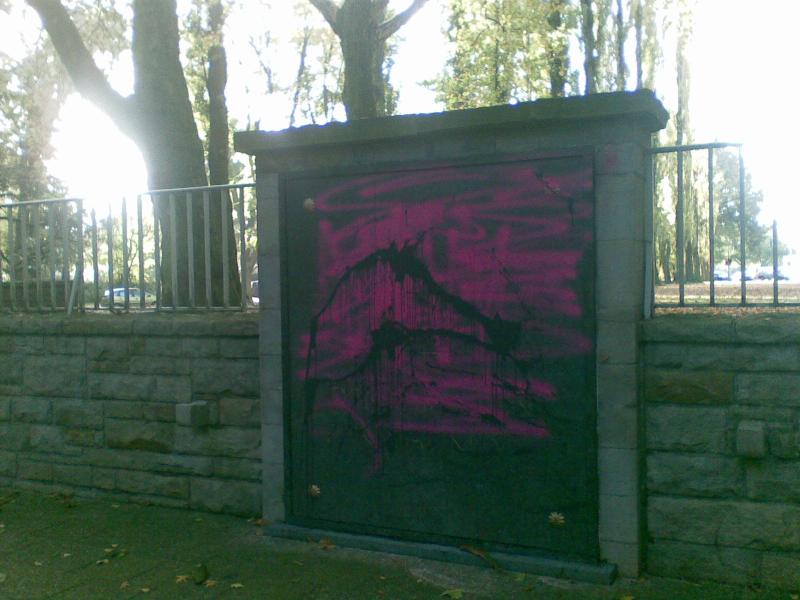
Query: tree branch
point(390, 27)
point(328, 10)
point(88, 79)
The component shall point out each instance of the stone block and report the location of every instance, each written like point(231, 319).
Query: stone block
point(11, 368)
point(35, 470)
point(619, 518)
point(619, 273)
point(272, 491)
point(272, 407)
point(65, 377)
point(272, 442)
point(8, 463)
point(688, 387)
point(140, 482)
point(146, 365)
point(618, 471)
point(172, 388)
point(235, 442)
point(62, 344)
point(122, 409)
point(237, 377)
point(5, 409)
point(108, 354)
point(162, 346)
point(105, 479)
point(80, 475)
point(14, 436)
point(270, 338)
point(619, 159)
point(233, 497)
point(238, 347)
point(751, 439)
point(239, 411)
point(158, 411)
point(685, 519)
point(137, 435)
point(46, 438)
point(84, 437)
point(113, 386)
point(705, 475)
point(781, 570)
point(767, 329)
point(783, 443)
point(700, 562)
point(192, 414)
point(617, 342)
point(692, 328)
point(686, 428)
point(617, 406)
point(618, 216)
point(237, 468)
point(773, 480)
point(775, 389)
point(627, 557)
point(200, 347)
point(31, 410)
point(78, 413)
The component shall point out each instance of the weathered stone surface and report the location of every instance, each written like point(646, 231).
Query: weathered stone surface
point(158, 411)
point(192, 414)
point(11, 368)
point(64, 377)
point(154, 462)
point(137, 435)
point(46, 438)
point(200, 347)
point(219, 441)
point(64, 345)
point(246, 347)
point(699, 562)
point(148, 365)
point(780, 389)
point(686, 428)
point(236, 468)
point(172, 388)
point(771, 328)
point(38, 471)
point(140, 482)
point(78, 413)
point(694, 475)
point(783, 443)
point(122, 409)
point(751, 439)
point(105, 479)
point(239, 411)
point(107, 349)
point(14, 436)
point(235, 497)
point(5, 409)
point(80, 475)
point(84, 437)
point(781, 569)
point(114, 386)
point(8, 463)
point(685, 519)
point(693, 328)
point(31, 410)
point(774, 480)
point(237, 377)
point(688, 387)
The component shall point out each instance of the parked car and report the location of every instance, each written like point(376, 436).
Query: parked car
point(134, 295)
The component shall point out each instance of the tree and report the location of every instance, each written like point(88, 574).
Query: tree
point(158, 118)
point(363, 29)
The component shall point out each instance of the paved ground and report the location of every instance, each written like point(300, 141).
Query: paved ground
point(63, 548)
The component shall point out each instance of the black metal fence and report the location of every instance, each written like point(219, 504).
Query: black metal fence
point(718, 212)
point(178, 250)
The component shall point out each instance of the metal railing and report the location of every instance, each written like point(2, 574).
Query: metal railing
point(182, 248)
point(680, 291)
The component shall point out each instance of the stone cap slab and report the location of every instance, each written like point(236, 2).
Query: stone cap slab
point(641, 107)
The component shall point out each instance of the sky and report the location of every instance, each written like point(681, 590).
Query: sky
point(742, 90)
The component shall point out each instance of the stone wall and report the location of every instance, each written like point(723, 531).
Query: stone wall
point(153, 408)
point(722, 401)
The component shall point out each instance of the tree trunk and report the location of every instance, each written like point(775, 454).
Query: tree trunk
point(218, 132)
point(589, 59)
point(621, 33)
point(557, 49)
point(637, 26)
point(158, 118)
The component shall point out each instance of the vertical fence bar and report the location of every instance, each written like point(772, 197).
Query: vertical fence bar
point(711, 262)
point(157, 249)
point(51, 251)
point(110, 255)
point(2, 285)
point(81, 258)
point(224, 217)
point(126, 274)
point(23, 235)
point(95, 262)
point(242, 248)
point(680, 234)
point(37, 253)
point(65, 249)
point(207, 246)
point(775, 263)
point(140, 241)
point(742, 226)
point(190, 248)
point(173, 246)
point(11, 260)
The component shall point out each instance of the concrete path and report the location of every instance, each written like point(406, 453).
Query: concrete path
point(64, 548)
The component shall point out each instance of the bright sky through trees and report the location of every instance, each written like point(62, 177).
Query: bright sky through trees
point(743, 90)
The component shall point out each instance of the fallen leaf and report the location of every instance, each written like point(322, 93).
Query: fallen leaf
point(297, 562)
point(237, 585)
point(66, 555)
point(326, 544)
point(199, 573)
point(145, 590)
point(627, 598)
point(3, 577)
point(454, 593)
point(210, 583)
point(115, 506)
point(261, 522)
point(519, 577)
point(38, 563)
point(556, 519)
point(102, 561)
point(198, 519)
point(124, 585)
point(181, 579)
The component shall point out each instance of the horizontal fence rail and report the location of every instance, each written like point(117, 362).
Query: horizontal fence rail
point(172, 249)
point(707, 248)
